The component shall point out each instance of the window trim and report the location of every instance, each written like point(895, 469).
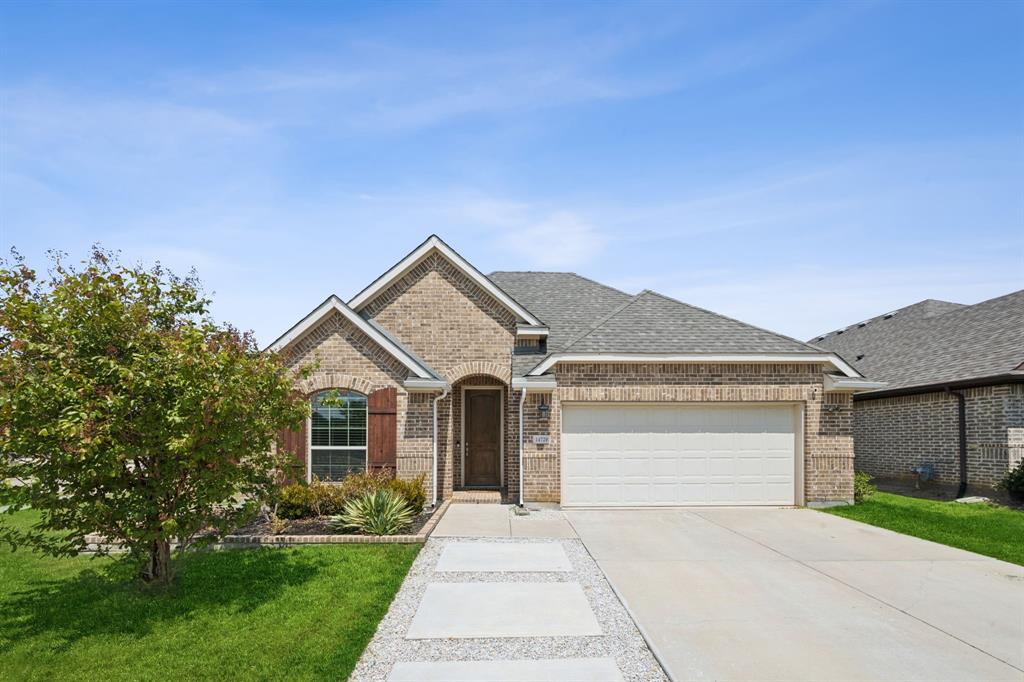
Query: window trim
point(309, 436)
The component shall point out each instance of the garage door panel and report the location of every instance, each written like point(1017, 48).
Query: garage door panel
point(678, 454)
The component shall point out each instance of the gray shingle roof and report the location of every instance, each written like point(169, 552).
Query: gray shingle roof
point(567, 303)
point(936, 341)
point(584, 316)
point(653, 323)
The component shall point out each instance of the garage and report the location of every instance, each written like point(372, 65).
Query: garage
point(660, 454)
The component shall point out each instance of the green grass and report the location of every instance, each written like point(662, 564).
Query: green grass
point(983, 528)
point(302, 613)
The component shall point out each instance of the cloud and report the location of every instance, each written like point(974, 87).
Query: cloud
point(561, 239)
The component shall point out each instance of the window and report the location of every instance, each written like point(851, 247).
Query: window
point(337, 435)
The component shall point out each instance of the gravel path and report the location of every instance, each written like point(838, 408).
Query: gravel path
point(621, 640)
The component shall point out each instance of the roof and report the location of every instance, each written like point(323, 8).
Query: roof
point(389, 343)
point(569, 303)
point(653, 323)
point(588, 318)
point(932, 342)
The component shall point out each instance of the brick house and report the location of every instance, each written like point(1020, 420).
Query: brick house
point(551, 387)
point(954, 399)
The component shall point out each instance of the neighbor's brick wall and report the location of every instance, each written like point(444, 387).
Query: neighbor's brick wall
point(348, 359)
point(894, 435)
point(828, 437)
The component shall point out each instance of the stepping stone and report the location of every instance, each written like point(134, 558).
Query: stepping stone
point(512, 557)
point(475, 610)
point(541, 670)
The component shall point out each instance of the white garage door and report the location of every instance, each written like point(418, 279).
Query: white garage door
point(673, 454)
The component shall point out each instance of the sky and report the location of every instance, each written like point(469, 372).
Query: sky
point(799, 166)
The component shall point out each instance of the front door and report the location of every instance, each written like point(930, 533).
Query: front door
point(483, 437)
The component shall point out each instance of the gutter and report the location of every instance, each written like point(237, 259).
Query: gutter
point(961, 411)
point(444, 393)
point(1008, 378)
point(522, 403)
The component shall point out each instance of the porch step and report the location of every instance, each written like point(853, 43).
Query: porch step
point(476, 497)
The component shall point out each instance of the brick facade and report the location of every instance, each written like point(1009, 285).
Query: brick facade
point(896, 434)
point(828, 420)
point(468, 337)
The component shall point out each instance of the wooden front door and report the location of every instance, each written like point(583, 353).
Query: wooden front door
point(483, 437)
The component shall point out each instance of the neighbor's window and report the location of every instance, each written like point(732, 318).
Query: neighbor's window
point(337, 435)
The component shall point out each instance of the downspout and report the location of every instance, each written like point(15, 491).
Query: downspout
point(961, 408)
point(434, 485)
point(522, 403)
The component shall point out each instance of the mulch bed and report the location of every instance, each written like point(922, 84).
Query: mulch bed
point(321, 526)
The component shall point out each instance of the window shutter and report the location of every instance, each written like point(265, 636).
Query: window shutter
point(294, 443)
point(382, 436)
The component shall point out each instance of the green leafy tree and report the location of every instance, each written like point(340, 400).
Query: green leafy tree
point(126, 411)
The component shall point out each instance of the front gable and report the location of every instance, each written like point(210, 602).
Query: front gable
point(445, 310)
point(444, 316)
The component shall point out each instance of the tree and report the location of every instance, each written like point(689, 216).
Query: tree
point(126, 411)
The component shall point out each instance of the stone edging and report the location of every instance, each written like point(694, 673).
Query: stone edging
point(240, 541)
point(289, 540)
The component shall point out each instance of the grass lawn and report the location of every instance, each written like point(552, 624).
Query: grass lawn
point(986, 529)
point(303, 613)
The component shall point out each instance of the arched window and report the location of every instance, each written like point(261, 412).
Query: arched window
point(337, 434)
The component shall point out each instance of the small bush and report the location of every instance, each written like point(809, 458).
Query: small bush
point(1013, 481)
point(325, 499)
point(414, 492)
point(382, 512)
point(862, 488)
point(293, 501)
point(357, 485)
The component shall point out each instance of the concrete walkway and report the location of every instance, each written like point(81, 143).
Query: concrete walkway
point(503, 598)
point(795, 594)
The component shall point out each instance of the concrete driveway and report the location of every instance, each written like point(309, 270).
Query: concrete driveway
point(795, 594)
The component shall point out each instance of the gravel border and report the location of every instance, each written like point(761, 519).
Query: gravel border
point(621, 639)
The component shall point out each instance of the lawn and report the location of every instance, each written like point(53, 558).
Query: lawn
point(302, 613)
point(986, 529)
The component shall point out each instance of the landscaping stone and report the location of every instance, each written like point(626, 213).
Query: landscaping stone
point(619, 639)
point(544, 670)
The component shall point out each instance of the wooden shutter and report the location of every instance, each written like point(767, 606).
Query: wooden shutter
point(382, 430)
point(294, 442)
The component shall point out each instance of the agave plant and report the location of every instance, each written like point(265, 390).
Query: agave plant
point(381, 512)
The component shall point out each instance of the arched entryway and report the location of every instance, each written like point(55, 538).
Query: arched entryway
point(479, 426)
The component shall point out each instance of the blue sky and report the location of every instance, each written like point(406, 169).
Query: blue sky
point(799, 166)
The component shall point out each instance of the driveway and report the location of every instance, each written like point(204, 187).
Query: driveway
point(795, 594)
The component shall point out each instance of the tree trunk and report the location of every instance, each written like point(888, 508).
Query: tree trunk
point(157, 568)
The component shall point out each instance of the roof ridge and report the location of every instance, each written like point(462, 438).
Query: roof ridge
point(733, 319)
point(560, 272)
point(618, 309)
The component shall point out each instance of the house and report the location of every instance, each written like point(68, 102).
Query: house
point(550, 387)
point(954, 404)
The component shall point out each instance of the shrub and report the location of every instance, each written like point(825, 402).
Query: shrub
point(381, 512)
point(325, 499)
point(293, 502)
point(357, 485)
point(862, 488)
point(1013, 481)
point(414, 492)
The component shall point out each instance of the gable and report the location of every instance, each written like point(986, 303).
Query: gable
point(334, 309)
point(433, 247)
point(444, 317)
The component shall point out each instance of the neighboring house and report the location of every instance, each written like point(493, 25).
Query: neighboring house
point(930, 354)
point(612, 399)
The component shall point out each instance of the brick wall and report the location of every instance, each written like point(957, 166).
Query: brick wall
point(894, 435)
point(445, 318)
point(348, 359)
point(828, 423)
